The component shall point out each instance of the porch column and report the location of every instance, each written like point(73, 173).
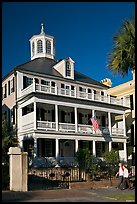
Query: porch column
point(110, 146)
point(109, 123)
point(124, 124)
point(93, 114)
point(56, 116)
point(35, 119)
point(76, 145)
point(93, 95)
point(35, 147)
point(125, 151)
point(57, 148)
point(94, 148)
point(33, 84)
point(76, 120)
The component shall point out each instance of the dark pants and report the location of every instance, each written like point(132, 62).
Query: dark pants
point(120, 181)
point(126, 181)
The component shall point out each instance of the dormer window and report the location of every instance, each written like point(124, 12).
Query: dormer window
point(68, 69)
point(33, 49)
point(48, 47)
point(39, 46)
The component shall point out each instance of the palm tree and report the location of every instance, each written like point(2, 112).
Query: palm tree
point(122, 57)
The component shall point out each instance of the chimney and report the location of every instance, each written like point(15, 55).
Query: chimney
point(106, 82)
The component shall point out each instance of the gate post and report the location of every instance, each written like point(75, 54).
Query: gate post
point(18, 169)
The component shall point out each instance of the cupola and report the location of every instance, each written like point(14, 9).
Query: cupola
point(42, 45)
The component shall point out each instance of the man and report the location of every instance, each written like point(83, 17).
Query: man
point(120, 173)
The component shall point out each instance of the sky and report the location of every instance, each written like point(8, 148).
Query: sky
point(83, 31)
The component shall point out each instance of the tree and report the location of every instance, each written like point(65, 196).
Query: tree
point(84, 159)
point(8, 139)
point(122, 57)
point(112, 159)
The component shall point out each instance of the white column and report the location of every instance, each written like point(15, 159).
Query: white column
point(94, 148)
point(75, 91)
point(56, 117)
point(93, 114)
point(35, 147)
point(20, 119)
point(35, 119)
point(109, 98)
point(109, 123)
point(33, 84)
point(76, 145)
point(57, 148)
point(110, 146)
point(125, 151)
point(76, 120)
point(124, 124)
point(56, 89)
point(93, 95)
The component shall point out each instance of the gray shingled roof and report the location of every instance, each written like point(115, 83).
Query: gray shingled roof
point(44, 66)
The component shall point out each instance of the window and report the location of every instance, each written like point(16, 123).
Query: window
point(62, 86)
point(82, 89)
point(27, 81)
point(72, 87)
point(12, 85)
point(48, 47)
point(68, 69)
point(47, 83)
point(9, 87)
point(36, 80)
point(39, 46)
point(33, 49)
point(5, 91)
point(53, 83)
point(28, 109)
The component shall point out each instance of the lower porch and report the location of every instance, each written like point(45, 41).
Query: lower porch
point(46, 152)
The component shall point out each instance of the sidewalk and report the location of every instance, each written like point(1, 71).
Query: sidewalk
point(65, 195)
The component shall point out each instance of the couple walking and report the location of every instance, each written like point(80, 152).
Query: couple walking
point(123, 177)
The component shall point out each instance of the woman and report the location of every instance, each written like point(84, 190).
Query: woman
point(120, 173)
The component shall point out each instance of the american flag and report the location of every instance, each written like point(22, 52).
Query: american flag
point(95, 123)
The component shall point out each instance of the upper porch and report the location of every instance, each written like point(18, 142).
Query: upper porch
point(72, 91)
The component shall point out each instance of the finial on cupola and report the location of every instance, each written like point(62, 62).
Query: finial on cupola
point(42, 28)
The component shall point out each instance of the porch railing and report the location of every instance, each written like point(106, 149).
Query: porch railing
point(46, 125)
point(73, 93)
point(69, 127)
point(66, 127)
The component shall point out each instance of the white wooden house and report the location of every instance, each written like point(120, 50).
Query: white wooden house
point(50, 104)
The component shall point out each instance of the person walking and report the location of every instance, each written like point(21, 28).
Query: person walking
point(120, 173)
point(126, 178)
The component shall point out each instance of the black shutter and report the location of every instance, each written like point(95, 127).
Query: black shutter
point(24, 82)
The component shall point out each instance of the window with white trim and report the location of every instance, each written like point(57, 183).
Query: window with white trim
point(48, 47)
point(39, 46)
point(68, 69)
